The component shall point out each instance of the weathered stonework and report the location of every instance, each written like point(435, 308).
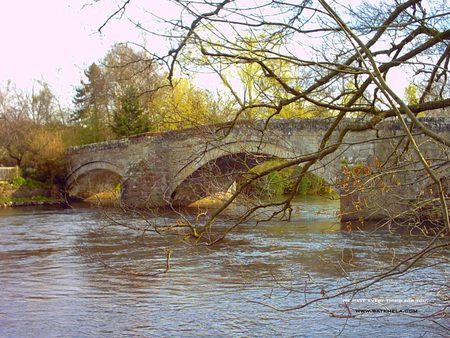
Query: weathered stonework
point(179, 167)
point(9, 173)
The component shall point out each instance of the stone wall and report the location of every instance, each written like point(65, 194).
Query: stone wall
point(8, 173)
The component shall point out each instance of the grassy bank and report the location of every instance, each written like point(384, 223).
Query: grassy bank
point(26, 201)
point(21, 191)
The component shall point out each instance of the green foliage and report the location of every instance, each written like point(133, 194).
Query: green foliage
point(263, 88)
point(411, 94)
point(343, 162)
point(282, 182)
point(9, 199)
point(20, 181)
point(183, 106)
point(274, 184)
point(91, 106)
point(313, 185)
point(277, 183)
point(125, 94)
point(128, 116)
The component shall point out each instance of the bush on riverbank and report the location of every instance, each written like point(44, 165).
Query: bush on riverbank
point(21, 191)
point(19, 201)
point(20, 181)
point(282, 182)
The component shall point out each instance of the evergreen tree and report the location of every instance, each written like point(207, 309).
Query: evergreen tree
point(91, 102)
point(128, 116)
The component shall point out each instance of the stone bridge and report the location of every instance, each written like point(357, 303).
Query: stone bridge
point(179, 167)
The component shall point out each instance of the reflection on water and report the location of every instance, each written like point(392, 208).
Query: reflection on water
point(64, 273)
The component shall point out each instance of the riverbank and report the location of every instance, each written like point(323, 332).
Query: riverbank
point(26, 202)
point(26, 193)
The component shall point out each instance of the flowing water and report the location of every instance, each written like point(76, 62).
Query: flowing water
point(72, 273)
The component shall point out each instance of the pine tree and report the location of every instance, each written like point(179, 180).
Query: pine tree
point(128, 116)
point(91, 102)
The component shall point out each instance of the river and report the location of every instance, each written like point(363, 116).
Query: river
point(72, 273)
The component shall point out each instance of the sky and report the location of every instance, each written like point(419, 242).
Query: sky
point(52, 40)
point(55, 40)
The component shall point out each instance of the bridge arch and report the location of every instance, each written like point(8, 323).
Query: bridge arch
point(92, 178)
point(222, 165)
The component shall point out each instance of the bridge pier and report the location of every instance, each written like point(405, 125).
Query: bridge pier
point(407, 195)
point(146, 184)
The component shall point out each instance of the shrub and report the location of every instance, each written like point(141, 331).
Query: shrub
point(20, 181)
point(282, 182)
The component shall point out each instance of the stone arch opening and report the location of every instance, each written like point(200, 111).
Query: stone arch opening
point(279, 183)
point(216, 176)
point(94, 178)
point(216, 170)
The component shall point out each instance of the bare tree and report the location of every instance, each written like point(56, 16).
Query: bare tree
point(341, 60)
point(32, 131)
point(15, 123)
